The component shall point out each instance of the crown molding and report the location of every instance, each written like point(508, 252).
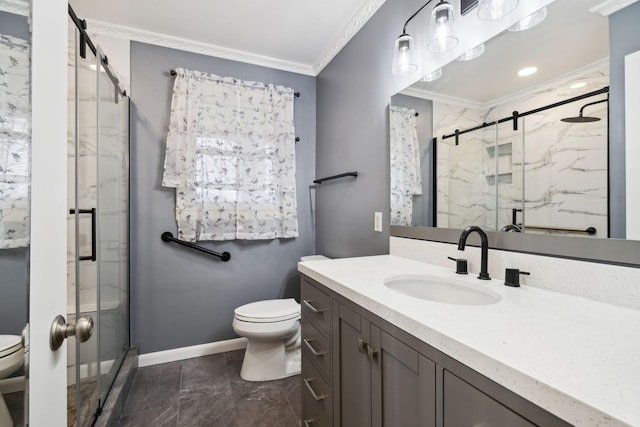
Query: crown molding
point(445, 99)
point(18, 7)
point(361, 18)
point(129, 33)
point(608, 7)
point(133, 34)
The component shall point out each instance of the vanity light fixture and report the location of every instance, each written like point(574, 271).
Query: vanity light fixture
point(530, 21)
point(434, 75)
point(442, 37)
point(472, 53)
point(490, 10)
point(527, 71)
point(442, 28)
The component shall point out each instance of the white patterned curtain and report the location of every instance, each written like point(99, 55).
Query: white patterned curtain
point(405, 164)
point(15, 128)
point(231, 158)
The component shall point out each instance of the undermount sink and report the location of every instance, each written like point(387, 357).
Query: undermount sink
point(439, 289)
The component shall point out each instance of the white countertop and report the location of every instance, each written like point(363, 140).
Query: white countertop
point(578, 359)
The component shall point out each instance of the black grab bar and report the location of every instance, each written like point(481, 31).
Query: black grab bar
point(342, 175)
point(167, 236)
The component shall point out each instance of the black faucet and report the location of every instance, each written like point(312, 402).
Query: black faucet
point(484, 275)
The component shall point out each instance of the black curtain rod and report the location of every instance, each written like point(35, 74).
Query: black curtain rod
point(167, 236)
point(173, 73)
point(85, 41)
point(516, 114)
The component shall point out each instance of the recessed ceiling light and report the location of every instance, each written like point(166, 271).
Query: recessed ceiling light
point(527, 71)
point(578, 85)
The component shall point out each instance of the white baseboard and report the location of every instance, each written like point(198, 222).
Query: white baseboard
point(12, 385)
point(175, 354)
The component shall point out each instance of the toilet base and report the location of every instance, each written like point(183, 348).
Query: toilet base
point(5, 416)
point(266, 361)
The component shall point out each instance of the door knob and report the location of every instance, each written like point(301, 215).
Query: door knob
point(60, 330)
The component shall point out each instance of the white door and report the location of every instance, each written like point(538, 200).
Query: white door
point(48, 271)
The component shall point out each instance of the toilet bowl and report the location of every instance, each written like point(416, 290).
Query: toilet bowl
point(11, 359)
point(272, 328)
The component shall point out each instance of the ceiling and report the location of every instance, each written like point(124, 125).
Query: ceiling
point(300, 36)
point(571, 37)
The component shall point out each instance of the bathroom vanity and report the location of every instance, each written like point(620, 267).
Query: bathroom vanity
point(374, 356)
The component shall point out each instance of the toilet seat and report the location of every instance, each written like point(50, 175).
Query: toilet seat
point(268, 311)
point(9, 344)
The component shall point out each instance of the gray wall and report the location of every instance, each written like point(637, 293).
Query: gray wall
point(353, 132)
point(624, 38)
point(422, 204)
point(180, 297)
point(14, 263)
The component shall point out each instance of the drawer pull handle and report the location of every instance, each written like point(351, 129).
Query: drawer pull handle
point(307, 423)
point(307, 382)
point(312, 308)
point(362, 345)
point(373, 354)
point(313, 351)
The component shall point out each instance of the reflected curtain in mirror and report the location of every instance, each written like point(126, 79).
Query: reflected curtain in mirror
point(14, 142)
point(231, 157)
point(405, 164)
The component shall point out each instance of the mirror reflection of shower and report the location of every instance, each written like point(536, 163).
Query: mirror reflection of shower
point(584, 119)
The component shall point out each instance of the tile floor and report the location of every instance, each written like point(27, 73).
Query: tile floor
point(208, 391)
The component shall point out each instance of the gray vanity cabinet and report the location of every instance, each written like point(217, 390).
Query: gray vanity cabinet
point(359, 370)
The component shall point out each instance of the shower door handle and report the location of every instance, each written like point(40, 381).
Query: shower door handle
point(60, 330)
point(94, 251)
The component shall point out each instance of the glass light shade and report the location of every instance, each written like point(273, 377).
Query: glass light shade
point(434, 75)
point(472, 53)
point(404, 56)
point(490, 10)
point(530, 21)
point(442, 28)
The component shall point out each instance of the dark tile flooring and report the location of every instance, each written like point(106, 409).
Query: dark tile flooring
point(208, 391)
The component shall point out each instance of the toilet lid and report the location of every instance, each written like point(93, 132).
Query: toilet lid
point(9, 344)
point(274, 310)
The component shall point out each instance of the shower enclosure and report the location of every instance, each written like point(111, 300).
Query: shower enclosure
point(540, 171)
point(97, 227)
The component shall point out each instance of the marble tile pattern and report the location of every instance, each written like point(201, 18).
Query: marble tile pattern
point(574, 357)
point(208, 391)
point(557, 171)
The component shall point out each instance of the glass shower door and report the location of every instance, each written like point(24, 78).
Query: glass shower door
point(112, 196)
point(83, 366)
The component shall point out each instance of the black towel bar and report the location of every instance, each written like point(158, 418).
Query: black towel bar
point(167, 236)
point(342, 175)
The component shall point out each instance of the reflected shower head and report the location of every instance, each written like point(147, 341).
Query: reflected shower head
point(581, 118)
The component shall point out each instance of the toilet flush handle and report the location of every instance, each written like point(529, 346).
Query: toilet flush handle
point(60, 330)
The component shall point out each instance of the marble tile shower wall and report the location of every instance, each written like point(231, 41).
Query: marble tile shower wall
point(565, 164)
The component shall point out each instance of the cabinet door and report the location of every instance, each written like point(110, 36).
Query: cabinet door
point(353, 369)
point(464, 405)
point(403, 383)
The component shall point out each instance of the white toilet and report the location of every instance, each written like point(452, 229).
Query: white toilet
point(11, 359)
point(273, 330)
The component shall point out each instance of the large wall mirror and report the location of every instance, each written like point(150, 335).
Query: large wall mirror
point(460, 157)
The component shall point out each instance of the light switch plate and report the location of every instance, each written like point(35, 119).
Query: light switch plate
point(377, 221)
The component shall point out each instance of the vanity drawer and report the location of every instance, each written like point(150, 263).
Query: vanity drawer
point(316, 397)
point(317, 347)
point(465, 405)
point(316, 306)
